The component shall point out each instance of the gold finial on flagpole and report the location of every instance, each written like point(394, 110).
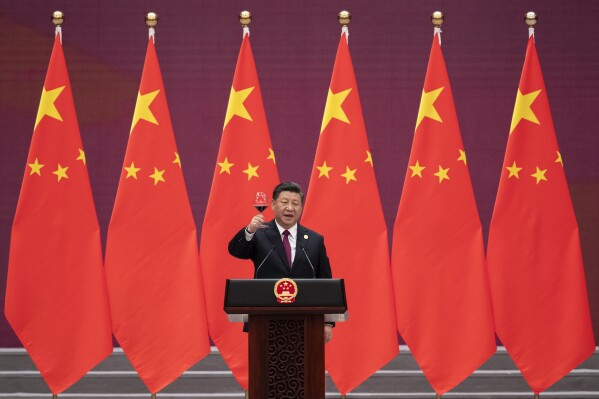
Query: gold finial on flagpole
point(531, 19)
point(151, 19)
point(245, 18)
point(344, 18)
point(57, 18)
point(437, 19)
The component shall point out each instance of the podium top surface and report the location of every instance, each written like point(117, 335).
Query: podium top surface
point(258, 296)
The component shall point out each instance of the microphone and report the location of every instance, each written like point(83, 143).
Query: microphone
point(305, 253)
point(264, 260)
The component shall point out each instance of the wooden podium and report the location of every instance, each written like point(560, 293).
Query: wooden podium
point(286, 332)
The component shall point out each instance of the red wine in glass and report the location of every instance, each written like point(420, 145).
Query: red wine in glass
point(261, 201)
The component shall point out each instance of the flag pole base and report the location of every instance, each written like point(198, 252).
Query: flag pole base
point(153, 396)
point(54, 396)
point(438, 396)
point(536, 396)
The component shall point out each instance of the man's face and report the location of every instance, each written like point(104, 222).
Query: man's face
point(287, 208)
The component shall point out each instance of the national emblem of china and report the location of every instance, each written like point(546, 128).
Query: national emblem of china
point(285, 290)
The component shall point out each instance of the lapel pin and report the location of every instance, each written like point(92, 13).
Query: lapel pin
point(305, 236)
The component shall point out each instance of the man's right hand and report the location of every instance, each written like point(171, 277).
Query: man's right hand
point(256, 223)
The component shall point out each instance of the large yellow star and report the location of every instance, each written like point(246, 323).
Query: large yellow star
point(236, 107)
point(47, 106)
point(368, 158)
point(442, 174)
point(157, 175)
point(350, 174)
point(539, 175)
point(333, 109)
point(81, 156)
point(177, 159)
point(559, 159)
point(36, 168)
point(251, 171)
point(225, 166)
point(522, 109)
point(514, 170)
point(324, 170)
point(427, 107)
point(131, 171)
point(142, 109)
point(61, 172)
point(271, 155)
point(417, 169)
point(462, 156)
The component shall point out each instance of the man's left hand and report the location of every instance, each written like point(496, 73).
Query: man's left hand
point(328, 333)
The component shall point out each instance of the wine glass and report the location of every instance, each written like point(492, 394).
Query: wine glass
point(261, 201)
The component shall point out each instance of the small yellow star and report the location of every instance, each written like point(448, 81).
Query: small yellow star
point(522, 109)
point(225, 166)
point(177, 159)
point(442, 174)
point(81, 156)
point(47, 106)
point(142, 109)
point(350, 174)
point(559, 159)
point(514, 169)
point(462, 156)
point(368, 158)
point(251, 171)
point(131, 171)
point(427, 107)
point(61, 172)
point(271, 155)
point(539, 175)
point(417, 169)
point(333, 109)
point(236, 107)
point(157, 176)
point(324, 170)
point(36, 168)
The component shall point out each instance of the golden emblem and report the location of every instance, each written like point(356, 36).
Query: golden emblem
point(285, 290)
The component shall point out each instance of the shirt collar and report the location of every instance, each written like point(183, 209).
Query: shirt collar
point(292, 229)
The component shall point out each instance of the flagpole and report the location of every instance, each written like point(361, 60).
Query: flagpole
point(437, 20)
point(531, 20)
point(344, 18)
point(245, 19)
point(151, 21)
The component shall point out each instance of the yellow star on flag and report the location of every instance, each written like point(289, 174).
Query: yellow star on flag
point(157, 175)
point(36, 167)
point(177, 159)
point(61, 172)
point(417, 169)
point(559, 159)
point(47, 106)
point(142, 109)
point(251, 171)
point(271, 155)
point(81, 156)
point(225, 166)
point(522, 109)
point(236, 107)
point(462, 156)
point(539, 175)
point(427, 107)
point(324, 170)
point(333, 109)
point(442, 174)
point(514, 169)
point(368, 158)
point(350, 174)
point(131, 171)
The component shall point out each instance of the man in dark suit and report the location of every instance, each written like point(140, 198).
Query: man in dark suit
point(282, 247)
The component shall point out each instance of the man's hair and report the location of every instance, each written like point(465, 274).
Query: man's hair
point(287, 186)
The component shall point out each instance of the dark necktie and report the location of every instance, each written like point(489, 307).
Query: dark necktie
point(287, 247)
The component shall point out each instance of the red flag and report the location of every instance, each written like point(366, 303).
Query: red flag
point(441, 291)
point(535, 263)
point(56, 296)
point(343, 204)
point(152, 269)
point(245, 165)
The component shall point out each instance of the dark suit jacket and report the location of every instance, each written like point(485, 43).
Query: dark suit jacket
point(266, 251)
